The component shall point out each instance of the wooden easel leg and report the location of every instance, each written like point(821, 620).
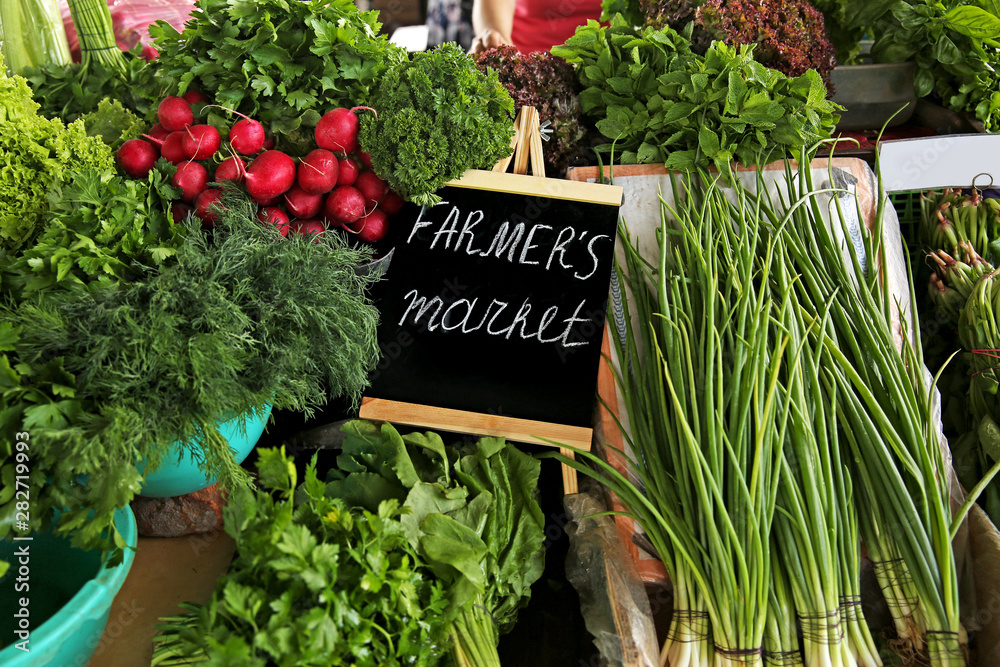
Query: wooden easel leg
point(569, 474)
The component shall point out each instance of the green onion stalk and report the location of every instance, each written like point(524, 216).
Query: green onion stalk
point(97, 36)
point(32, 34)
point(886, 412)
point(781, 639)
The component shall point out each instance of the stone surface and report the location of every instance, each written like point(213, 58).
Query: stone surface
point(198, 512)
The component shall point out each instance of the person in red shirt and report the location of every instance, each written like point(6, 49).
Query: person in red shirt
point(530, 25)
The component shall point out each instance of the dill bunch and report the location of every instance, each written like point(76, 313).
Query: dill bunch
point(240, 319)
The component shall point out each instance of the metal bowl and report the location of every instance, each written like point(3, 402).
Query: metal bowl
point(871, 94)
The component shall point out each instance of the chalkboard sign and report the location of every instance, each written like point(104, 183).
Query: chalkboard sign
point(493, 308)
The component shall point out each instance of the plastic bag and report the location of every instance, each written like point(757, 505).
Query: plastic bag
point(131, 20)
point(613, 602)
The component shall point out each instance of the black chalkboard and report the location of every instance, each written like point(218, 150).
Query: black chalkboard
point(494, 300)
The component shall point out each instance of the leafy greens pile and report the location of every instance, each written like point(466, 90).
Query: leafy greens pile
point(657, 101)
point(469, 522)
point(314, 583)
point(35, 154)
point(71, 92)
point(283, 63)
point(473, 514)
point(788, 35)
point(437, 117)
point(110, 375)
point(100, 229)
point(956, 48)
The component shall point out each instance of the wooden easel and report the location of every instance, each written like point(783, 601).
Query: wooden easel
point(527, 144)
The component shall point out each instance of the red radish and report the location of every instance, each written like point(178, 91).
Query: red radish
point(371, 227)
point(366, 159)
point(174, 113)
point(347, 171)
point(392, 203)
point(194, 97)
point(344, 205)
point(247, 136)
point(173, 148)
point(137, 157)
point(318, 172)
point(274, 216)
point(372, 187)
point(179, 211)
point(192, 179)
point(201, 141)
point(149, 53)
point(268, 203)
point(268, 143)
point(272, 173)
point(310, 226)
point(337, 130)
point(301, 204)
point(207, 204)
point(230, 170)
point(157, 131)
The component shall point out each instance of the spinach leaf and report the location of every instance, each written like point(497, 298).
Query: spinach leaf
point(473, 513)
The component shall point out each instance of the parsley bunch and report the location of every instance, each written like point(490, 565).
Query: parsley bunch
point(101, 229)
point(314, 583)
point(660, 102)
point(437, 117)
point(283, 63)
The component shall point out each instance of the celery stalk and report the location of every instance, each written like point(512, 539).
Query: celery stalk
point(31, 34)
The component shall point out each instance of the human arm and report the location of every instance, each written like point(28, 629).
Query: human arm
point(493, 22)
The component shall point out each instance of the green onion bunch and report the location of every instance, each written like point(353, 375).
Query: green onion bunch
point(780, 414)
point(884, 406)
point(979, 333)
point(97, 36)
point(960, 230)
point(708, 420)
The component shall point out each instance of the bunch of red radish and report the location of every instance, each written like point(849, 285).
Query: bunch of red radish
point(332, 185)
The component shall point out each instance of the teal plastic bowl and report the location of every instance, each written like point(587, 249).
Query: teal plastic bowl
point(69, 598)
point(181, 474)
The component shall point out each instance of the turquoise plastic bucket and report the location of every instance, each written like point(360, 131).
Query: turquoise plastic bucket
point(69, 598)
point(181, 474)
